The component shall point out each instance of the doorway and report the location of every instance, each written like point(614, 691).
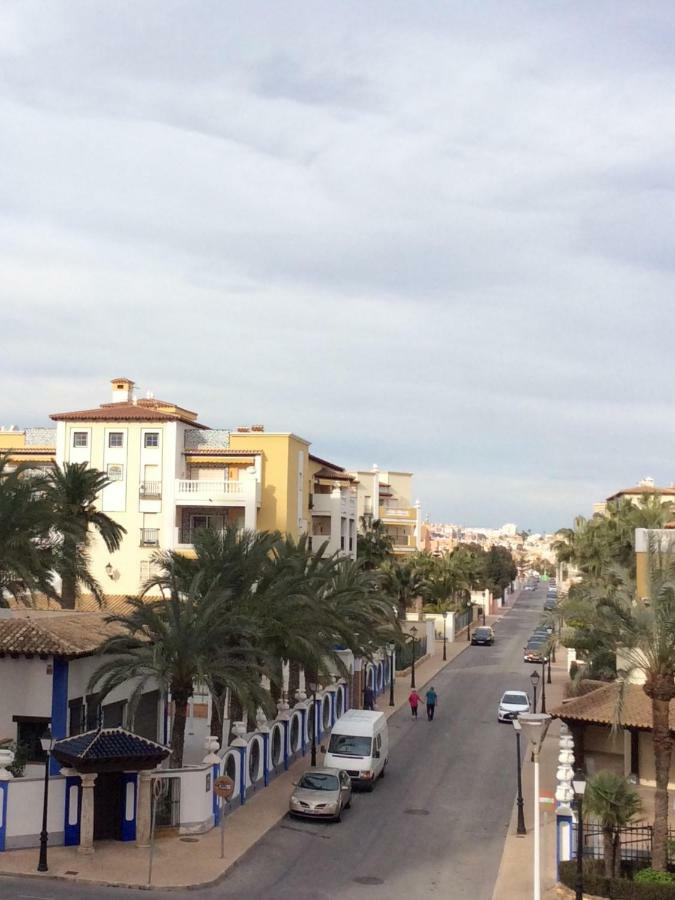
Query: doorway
point(108, 806)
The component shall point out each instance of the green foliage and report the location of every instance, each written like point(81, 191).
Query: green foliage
point(18, 767)
point(612, 800)
point(654, 876)
point(374, 544)
point(598, 885)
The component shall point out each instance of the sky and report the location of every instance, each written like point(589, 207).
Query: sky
point(433, 236)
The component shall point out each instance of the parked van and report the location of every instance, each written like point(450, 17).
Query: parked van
point(359, 743)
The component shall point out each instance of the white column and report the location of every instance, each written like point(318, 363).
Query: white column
point(418, 524)
point(536, 894)
point(87, 814)
point(335, 520)
point(376, 491)
point(249, 483)
point(143, 808)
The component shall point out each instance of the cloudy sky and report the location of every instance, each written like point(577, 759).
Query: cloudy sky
point(437, 236)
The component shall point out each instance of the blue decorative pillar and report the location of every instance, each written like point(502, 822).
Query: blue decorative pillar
point(284, 725)
point(59, 719)
point(318, 719)
point(265, 735)
point(128, 805)
point(303, 729)
point(215, 772)
point(4, 791)
point(73, 811)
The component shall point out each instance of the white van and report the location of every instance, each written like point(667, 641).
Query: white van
point(359, 743)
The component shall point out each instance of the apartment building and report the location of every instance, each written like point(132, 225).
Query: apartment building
point(387, 496)
point(171, 475)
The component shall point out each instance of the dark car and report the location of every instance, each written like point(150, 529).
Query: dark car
point(483, 635)
point(534, 650)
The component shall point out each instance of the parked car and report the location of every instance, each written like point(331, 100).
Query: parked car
point(534, 652)
point(511, 704)
point(483, 635)
point(550, 603)
point(359, 741)
point(321, 794)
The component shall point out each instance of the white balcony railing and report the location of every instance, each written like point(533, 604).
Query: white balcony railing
point(218, 493)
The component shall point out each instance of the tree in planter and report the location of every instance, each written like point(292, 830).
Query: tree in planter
point(402, 581)
point(184, 639)
point(613, 802)
point(70, 493)
point(373, 543)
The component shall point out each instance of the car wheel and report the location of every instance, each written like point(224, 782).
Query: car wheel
point(348, 804)
point(384, 769)
point(338, 817)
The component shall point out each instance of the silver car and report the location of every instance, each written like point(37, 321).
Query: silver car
point(511, 704)
point(321, 794)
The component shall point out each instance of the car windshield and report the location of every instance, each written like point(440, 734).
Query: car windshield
point(315, 781)
point(514, 699)
point(349, 745)
point(482, 632)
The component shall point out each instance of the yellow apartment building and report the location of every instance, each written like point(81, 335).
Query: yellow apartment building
point(387, 496)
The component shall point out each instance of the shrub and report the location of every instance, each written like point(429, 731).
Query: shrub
point(654, 876)
point(18, 767)
point(616, 888)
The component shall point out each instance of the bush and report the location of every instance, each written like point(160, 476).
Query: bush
point(654, 876)
point(616, 888)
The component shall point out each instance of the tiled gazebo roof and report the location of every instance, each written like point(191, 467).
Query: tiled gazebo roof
point(109, 750)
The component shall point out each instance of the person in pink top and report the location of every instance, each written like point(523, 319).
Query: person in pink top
point(414, 700)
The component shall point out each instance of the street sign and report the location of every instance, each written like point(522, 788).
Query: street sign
point(223, 787)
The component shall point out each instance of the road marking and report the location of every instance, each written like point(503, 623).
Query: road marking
point(324, 837)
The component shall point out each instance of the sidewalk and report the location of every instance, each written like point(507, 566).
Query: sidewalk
point(194, 860)
point(515, 878)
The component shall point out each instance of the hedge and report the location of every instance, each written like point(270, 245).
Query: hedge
point(615, 888)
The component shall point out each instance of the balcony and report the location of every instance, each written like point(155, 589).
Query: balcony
point(193, 492)
point(150, 490)
point(399, 514)
point(326, 504)
point(149, 537)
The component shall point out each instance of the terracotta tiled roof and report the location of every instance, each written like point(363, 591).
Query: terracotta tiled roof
point(333, 474)
point(69, 635)
point(324, 462)
point(600, 707)
point(152, 403)
point(220, 451)
point(113, 603)
point(123, 412)
point(643, 489)
point(108, 745)
point(32, 451)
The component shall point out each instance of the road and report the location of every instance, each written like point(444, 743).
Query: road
point(434, 827)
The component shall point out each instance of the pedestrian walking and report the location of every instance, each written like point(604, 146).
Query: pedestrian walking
point(431, 698)
point(368, 699)
point(414, 700)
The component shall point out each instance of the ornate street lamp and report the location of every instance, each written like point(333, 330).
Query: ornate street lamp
point(445, 640)
point(313, 688)
point(543, 687)
point(579, 787)
point(47, 742)
point(521, 816)
point(413, 636)
point(391, 647)
point(535, 726)
point(534, 681)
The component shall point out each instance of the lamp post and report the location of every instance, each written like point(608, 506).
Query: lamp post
point(534, 681)
point(535, 726)
point(391, 646)
point(47, 742)
point(445, 639)
point(550, 654)
point(543, 687)
point(413, 635)
point(519, 801)
point(579, 786)
point(313, 687)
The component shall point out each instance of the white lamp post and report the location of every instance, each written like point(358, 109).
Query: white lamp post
point(535, 726)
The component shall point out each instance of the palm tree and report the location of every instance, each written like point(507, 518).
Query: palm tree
point(447, 584)
point(71, 493)
point(403, 582)
point(26, 547)
point(373, 543)
point(177, 642)
point(611, 799)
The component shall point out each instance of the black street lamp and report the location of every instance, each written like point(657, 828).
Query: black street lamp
point(413, 635)
point(534, 681)
point(579, 786)
point(47, 742)
point(521, 816)
point(551, 652)
point(313, 687)
point(391, 646)
point(445, 639)
point(543, 686)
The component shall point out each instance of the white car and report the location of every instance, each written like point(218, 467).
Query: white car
point(511, 704)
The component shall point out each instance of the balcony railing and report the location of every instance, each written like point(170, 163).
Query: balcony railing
point(150, 490)
point(394, 512)
point(149, 537)
point(218, 493)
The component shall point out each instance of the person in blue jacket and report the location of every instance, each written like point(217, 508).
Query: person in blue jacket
point(431, 698)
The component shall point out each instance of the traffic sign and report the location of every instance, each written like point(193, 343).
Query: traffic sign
point(223, 787)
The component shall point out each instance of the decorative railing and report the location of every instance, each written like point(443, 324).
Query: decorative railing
point(149, 537)
point(150, 489)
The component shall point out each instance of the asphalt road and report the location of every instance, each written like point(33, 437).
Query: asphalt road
point(433, 827)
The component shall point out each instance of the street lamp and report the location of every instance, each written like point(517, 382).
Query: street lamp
point(445, 640)
point(543, 687)
point(535, 726)
point(47, 742)
point(551, 653)
point(413, 634)
point(579, 786)
point(391, 646)
point(313, 687)
point(534, 681)
point(521, 816)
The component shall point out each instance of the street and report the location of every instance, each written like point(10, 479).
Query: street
point(434, 826)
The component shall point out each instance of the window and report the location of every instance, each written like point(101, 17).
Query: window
point(29, 730)
point(115, 439)
point(76, 716)
point(151, 439)
point(115, 472)
point(80, 439)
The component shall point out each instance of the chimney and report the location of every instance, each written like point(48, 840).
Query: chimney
point(258, 428)
point(122, 390)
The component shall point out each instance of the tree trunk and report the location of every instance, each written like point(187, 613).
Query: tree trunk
point(661, 742)
point(180, 708)
point(236, 715)
point(608, 851)
point(66, 570)
point(293, 681)
point(216, 724)
point(617, 855)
